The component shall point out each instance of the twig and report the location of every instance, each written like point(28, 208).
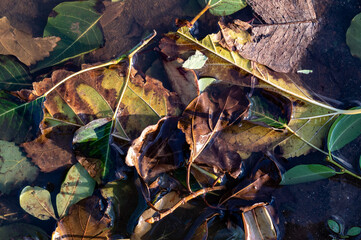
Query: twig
point(184, 200)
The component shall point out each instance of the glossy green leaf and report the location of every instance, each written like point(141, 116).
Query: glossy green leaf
point(195, 61)
point(223, 7)
point(13, 74)
point(353, 36)
point(76, 24)
point(19, 121)
point(343, 131)
point(15, 168)
point(37, 202)
point(333, 225)
point(78, 184)
point(307, 173)
point(22, 231)
point(354, 231)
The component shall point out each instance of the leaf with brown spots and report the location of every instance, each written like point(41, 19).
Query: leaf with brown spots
point(27, 49)
point(84, 221)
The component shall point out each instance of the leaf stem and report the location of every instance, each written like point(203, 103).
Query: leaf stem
point(200, 14)
point(343, 169)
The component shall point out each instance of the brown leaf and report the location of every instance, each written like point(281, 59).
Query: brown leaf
point(159, 149)
point(53, 149)
point(20, 44)
point(84, 221)
point(219, 106)
point(92, 166)
point(183, 81)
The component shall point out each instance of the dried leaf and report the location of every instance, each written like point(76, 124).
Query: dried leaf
point(159, 149)
point(37, 202)
point(219, 106)
point(27, 49)
point(77, 185)
point(52, 150)
point(15, 168)
point(85, 220)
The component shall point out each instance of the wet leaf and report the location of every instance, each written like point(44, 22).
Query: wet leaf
point(258, 224)
point(223, 7)
point(159, 149)
point(333, 225)
point(22, 231)
point(76, 24)
point(195, 61)
point(52, 150)
point(84, 221)
point(77, 185)
point(15, 168)
point(14, 74)
point(19, 121)
point(205, 82)
point(27, 49)
point(353, 36)
point(37, 202)
point(354, 231)
point(307, 173)
point(215, 109)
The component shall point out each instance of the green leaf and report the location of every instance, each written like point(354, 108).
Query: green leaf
point(333, 225)
point(353, 36)
point(75, 23)
point(15, 168)
point(203, 83)
point(78, 184)
point(13, 74)
point(19, 121)
point(354, 231)
point(307, 173)
point(22, 231)
point(343, 131)
point(195, 61)
point(223, 7)
point(37, 202)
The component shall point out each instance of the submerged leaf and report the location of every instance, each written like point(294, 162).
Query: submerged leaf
point(14, 75)
point(85, 220)
point(223, 7)
point(22, 231)
point(15, 168)
point(76, 24)
point(37, 202)
point(19, 121)
point(77, 185)
point(353, 36)
point(307, 173)
point(20, 44)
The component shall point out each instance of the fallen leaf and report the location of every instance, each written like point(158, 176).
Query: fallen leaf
point(76, 25)
point(22, 231)
point(15, 168)
point(27, 49)
point(77, 185)
point(93, 167)
point(14, 75)
point(159, 149)
point(37, 202)
point(223, 7)
point(195, 61)
point(353, 36)
point(206, 116)
point(52, 150)
point(19, 120)
point(85, 220)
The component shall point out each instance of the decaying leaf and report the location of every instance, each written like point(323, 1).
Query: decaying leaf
point(22, 231)
point(15, 168)
point(84, 221)
point(52, 150)
point(27, 49)
point(219, 106)
point(77, 185)
point(159, 149)
point(37, 202)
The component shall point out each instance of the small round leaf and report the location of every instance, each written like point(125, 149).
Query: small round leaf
point(333, 225)
point(354, 231)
